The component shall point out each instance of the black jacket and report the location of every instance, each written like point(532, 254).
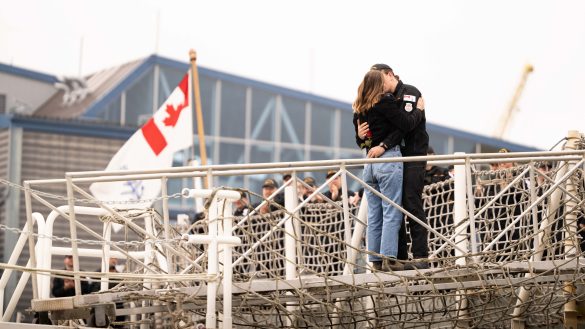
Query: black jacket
point(436, 174)
point(386, 119)
point(278, 199)
point(59, 290)
point(416, 141)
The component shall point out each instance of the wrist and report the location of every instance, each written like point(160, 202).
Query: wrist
point(384, 146)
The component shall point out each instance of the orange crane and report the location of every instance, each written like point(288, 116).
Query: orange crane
point(506, 117)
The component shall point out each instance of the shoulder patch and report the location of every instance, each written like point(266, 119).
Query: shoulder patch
point(408, 107)
point(409, 98)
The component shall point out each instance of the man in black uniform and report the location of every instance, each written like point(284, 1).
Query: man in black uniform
point(335, 191)
point(268, 188)
point(415, 143)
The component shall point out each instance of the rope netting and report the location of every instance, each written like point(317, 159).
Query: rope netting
point(513, 224)
point(515, 256)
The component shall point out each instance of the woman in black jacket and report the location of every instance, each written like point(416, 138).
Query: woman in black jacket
point(377, 115)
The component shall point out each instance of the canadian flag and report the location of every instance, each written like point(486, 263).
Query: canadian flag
point(169, 130)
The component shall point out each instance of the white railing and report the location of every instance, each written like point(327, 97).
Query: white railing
point(463, 240)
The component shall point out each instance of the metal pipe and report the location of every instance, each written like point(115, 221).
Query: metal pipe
point(299, 164)
point(212, 268)
point(31, 241)
point(208, 239)
point(462, 243)
point(227, 264)
point(206, 193)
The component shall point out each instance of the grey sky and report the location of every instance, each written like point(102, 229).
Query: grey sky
point(465, 56)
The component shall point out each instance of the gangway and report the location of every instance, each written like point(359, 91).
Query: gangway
point(504, 251)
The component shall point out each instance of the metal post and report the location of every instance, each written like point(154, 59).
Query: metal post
point(345, 201)
point(357, 237)
point(148, 260)
point(227, 264)
point(460, 212)
point(212, 267)
point(73, 234)
point(31, 240)
point(570, 241)
point(167, 225)
point(12, 261)
point(104, 284)
point(290, 237)
point(290, 243)
point(471, 209)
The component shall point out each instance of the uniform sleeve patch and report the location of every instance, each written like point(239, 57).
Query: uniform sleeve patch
point(408, 107)
point(409, 98)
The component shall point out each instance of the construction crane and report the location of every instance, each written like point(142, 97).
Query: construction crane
point(506, 117)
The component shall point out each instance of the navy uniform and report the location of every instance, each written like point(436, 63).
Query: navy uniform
point(277, 200)
point(328, 193)
point(415, 143)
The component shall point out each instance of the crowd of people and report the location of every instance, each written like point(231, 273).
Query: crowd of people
point(390, 122)
point(334, 192)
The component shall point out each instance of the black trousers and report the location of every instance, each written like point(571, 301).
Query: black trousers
point(412, 187)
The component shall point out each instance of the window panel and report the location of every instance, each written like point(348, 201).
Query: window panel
point(439, 142)
point(322, 121)
point(231, 153)
point(2, 103)
point(293, 121)
point(169, 79)
point(233, 110)
point(485, 148)
point(209, 146)
point(207, 91)
point(347, 132)
point(292, 154)
point(262, 154)
point(463, 145)
point(263, 106)
point(111, 113)
point(139, 100)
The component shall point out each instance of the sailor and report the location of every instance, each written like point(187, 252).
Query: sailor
point(415, 143)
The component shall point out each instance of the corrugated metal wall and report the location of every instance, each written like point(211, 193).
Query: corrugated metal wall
point(47, 156)
point(4, 160)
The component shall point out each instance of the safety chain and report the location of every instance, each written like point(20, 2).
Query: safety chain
point(87, 201)
point(134, 243)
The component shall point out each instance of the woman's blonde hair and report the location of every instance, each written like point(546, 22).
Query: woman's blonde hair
point(369, 92)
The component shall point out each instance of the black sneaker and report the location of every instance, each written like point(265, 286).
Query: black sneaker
point(392, 265)
point(377, 265)
point(416, 265)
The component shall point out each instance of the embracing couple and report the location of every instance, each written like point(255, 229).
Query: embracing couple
point(389, 121)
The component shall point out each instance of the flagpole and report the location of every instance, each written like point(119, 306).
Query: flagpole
point(198, 113)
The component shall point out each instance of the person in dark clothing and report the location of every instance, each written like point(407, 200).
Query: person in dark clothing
point(268, 188)
point(306, 192)
point(65, 287)
point(376, 116)
point(335, 192)
point(243, 206)
point(414, 143)
point(435, 174)
point(96, 285)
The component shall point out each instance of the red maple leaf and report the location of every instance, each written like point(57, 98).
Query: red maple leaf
point(173, 113)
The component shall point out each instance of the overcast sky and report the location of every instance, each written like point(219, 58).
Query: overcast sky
point(465, 56)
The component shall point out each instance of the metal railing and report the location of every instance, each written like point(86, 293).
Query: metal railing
point(463, 239)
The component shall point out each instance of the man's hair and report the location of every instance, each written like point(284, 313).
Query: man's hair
point(370, 91)
point(384, 69)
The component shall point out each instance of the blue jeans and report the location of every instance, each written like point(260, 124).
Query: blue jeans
point(384, 220)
